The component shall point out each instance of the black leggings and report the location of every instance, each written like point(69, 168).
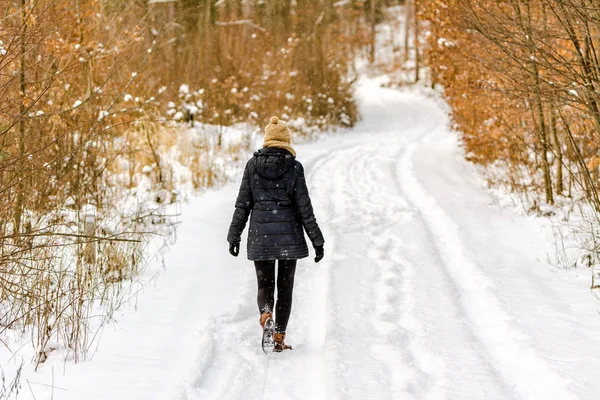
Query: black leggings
point(265, 275)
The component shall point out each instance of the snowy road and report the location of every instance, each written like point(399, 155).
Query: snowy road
point(429, 289)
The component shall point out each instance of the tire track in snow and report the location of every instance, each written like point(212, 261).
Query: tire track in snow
point(410, 365)
point(432, 301)
point(529, 377)
point(378, 359)
point(356, 375)
point(228, 355)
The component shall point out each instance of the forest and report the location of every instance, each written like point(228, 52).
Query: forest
point(523, 79)
point(96, 97)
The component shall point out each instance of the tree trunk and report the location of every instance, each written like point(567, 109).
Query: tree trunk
point(208, 38)
point(373, 31)
point(539, 106)
point(407, 12)
point(21, 139)
point(544, 142)
point(559, 154)
point(294, 15)
point(416, 40)
point(173, 64)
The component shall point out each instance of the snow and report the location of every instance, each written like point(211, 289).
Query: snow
point(192, 109)
point(88, 213)
point(444, 43)
point(429, 288)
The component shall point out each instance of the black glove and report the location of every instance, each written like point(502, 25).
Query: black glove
point(320, 253)
point(234, 249)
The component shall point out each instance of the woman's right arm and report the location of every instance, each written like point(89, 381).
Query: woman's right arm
point(305, 209)
point(243, 206)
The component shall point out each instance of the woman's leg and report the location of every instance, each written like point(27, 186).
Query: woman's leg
point(285, 287)
point(265, 276)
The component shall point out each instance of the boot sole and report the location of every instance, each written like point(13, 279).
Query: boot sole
point(268, 339)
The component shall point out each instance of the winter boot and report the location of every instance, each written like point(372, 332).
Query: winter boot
point(268, 326)
point(280, 344)
point(264, 317)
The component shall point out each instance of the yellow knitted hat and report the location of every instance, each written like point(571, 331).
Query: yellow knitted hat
point(278, 135)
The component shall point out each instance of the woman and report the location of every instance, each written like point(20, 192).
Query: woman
point(274, 191)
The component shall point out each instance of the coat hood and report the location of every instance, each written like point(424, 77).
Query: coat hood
point(273, 163)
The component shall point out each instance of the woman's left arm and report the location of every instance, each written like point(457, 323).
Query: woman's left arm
point(243, 206)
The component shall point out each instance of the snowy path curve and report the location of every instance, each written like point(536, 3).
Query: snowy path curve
point(429, 290)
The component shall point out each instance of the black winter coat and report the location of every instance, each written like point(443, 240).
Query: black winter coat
point(274, 191)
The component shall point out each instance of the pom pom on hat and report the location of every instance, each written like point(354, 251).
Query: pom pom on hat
point(274, 120)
